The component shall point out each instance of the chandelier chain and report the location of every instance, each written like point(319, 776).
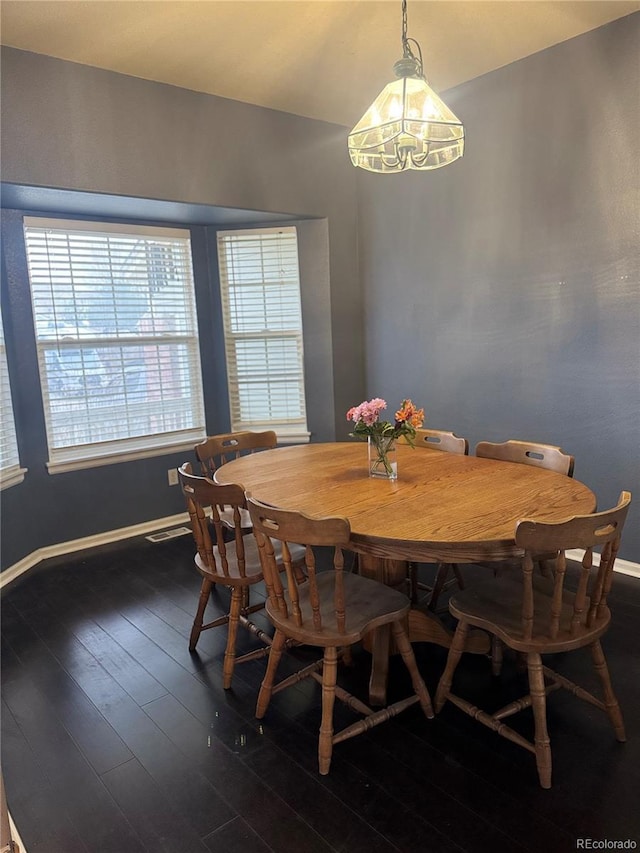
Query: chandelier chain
point(404, 24)
point(406, 47)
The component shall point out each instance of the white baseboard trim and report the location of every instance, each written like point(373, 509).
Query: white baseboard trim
point(93, 541)
point(15, 836)
point(625, 567)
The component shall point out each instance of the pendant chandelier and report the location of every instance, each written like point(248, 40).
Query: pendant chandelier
point(407, 126)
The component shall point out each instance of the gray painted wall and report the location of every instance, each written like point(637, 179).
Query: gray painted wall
point(76, 128)
point(502, 293)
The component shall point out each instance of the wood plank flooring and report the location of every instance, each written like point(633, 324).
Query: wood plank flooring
point(116, 740)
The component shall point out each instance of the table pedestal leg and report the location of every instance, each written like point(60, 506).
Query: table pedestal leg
point(390, 572)
point(424, 626)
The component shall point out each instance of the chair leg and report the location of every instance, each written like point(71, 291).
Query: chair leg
point(539, 706)
point(496, 655)
point(237, 595)
point(440, 582)
point(329, 677)
point(266, 688)
point(458, 575)
point(412, 579)
point(455, 653)
point(547, 568)
point(346, 656)
point(438, 585)
point(196, 630)
point(404, 646)
point(610, 702)
point(246, 603)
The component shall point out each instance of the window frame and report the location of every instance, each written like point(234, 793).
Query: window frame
point(94, 453)
point(293, 430)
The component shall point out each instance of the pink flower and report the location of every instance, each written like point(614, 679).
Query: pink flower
point(378, 403)
point(368, 411)
point(369, 416)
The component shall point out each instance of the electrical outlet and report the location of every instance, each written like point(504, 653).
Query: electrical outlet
point(172, 476)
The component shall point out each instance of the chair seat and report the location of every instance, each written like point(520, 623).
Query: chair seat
point(253, 569)
point(226, 517)
point(496, 606)
point(368, 604)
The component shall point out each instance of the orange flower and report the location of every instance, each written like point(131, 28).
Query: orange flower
point(409, 414)
point(404, 412)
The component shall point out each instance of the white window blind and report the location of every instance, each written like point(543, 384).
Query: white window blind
point(116, 332)
point(10, 470)
point(260, 287)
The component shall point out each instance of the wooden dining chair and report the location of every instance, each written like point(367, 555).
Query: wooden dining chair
point(448, 442)
point(535, 616)
point(332, 610)
point(539, 455)
point(215, 450)
point(528, 453)
point(234, 564)
point(438, 439)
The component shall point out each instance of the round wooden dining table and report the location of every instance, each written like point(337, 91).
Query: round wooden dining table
point(443, 507)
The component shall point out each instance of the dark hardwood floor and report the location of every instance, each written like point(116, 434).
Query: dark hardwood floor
point(116, 740)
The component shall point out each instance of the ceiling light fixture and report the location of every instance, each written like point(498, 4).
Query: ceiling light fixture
point(407, 126)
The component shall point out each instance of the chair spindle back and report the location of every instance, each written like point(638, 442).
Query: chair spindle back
point(203, 494)
point(285, 526)
point(602, 529)
point(218, 449)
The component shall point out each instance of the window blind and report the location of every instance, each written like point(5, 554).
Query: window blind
point(116, 331)
point(10, 470)
point(260, 289)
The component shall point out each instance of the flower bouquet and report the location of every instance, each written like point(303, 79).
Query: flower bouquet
point(382, 435)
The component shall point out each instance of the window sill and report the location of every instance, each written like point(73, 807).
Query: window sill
point(62, 467)
point(293, 438)
point(12, 478)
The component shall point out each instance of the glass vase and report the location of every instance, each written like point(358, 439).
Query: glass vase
point(383, 462)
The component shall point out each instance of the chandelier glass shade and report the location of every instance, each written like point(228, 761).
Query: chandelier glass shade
point(408, 126)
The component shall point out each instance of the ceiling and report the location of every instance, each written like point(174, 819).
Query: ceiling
point(325, 59)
